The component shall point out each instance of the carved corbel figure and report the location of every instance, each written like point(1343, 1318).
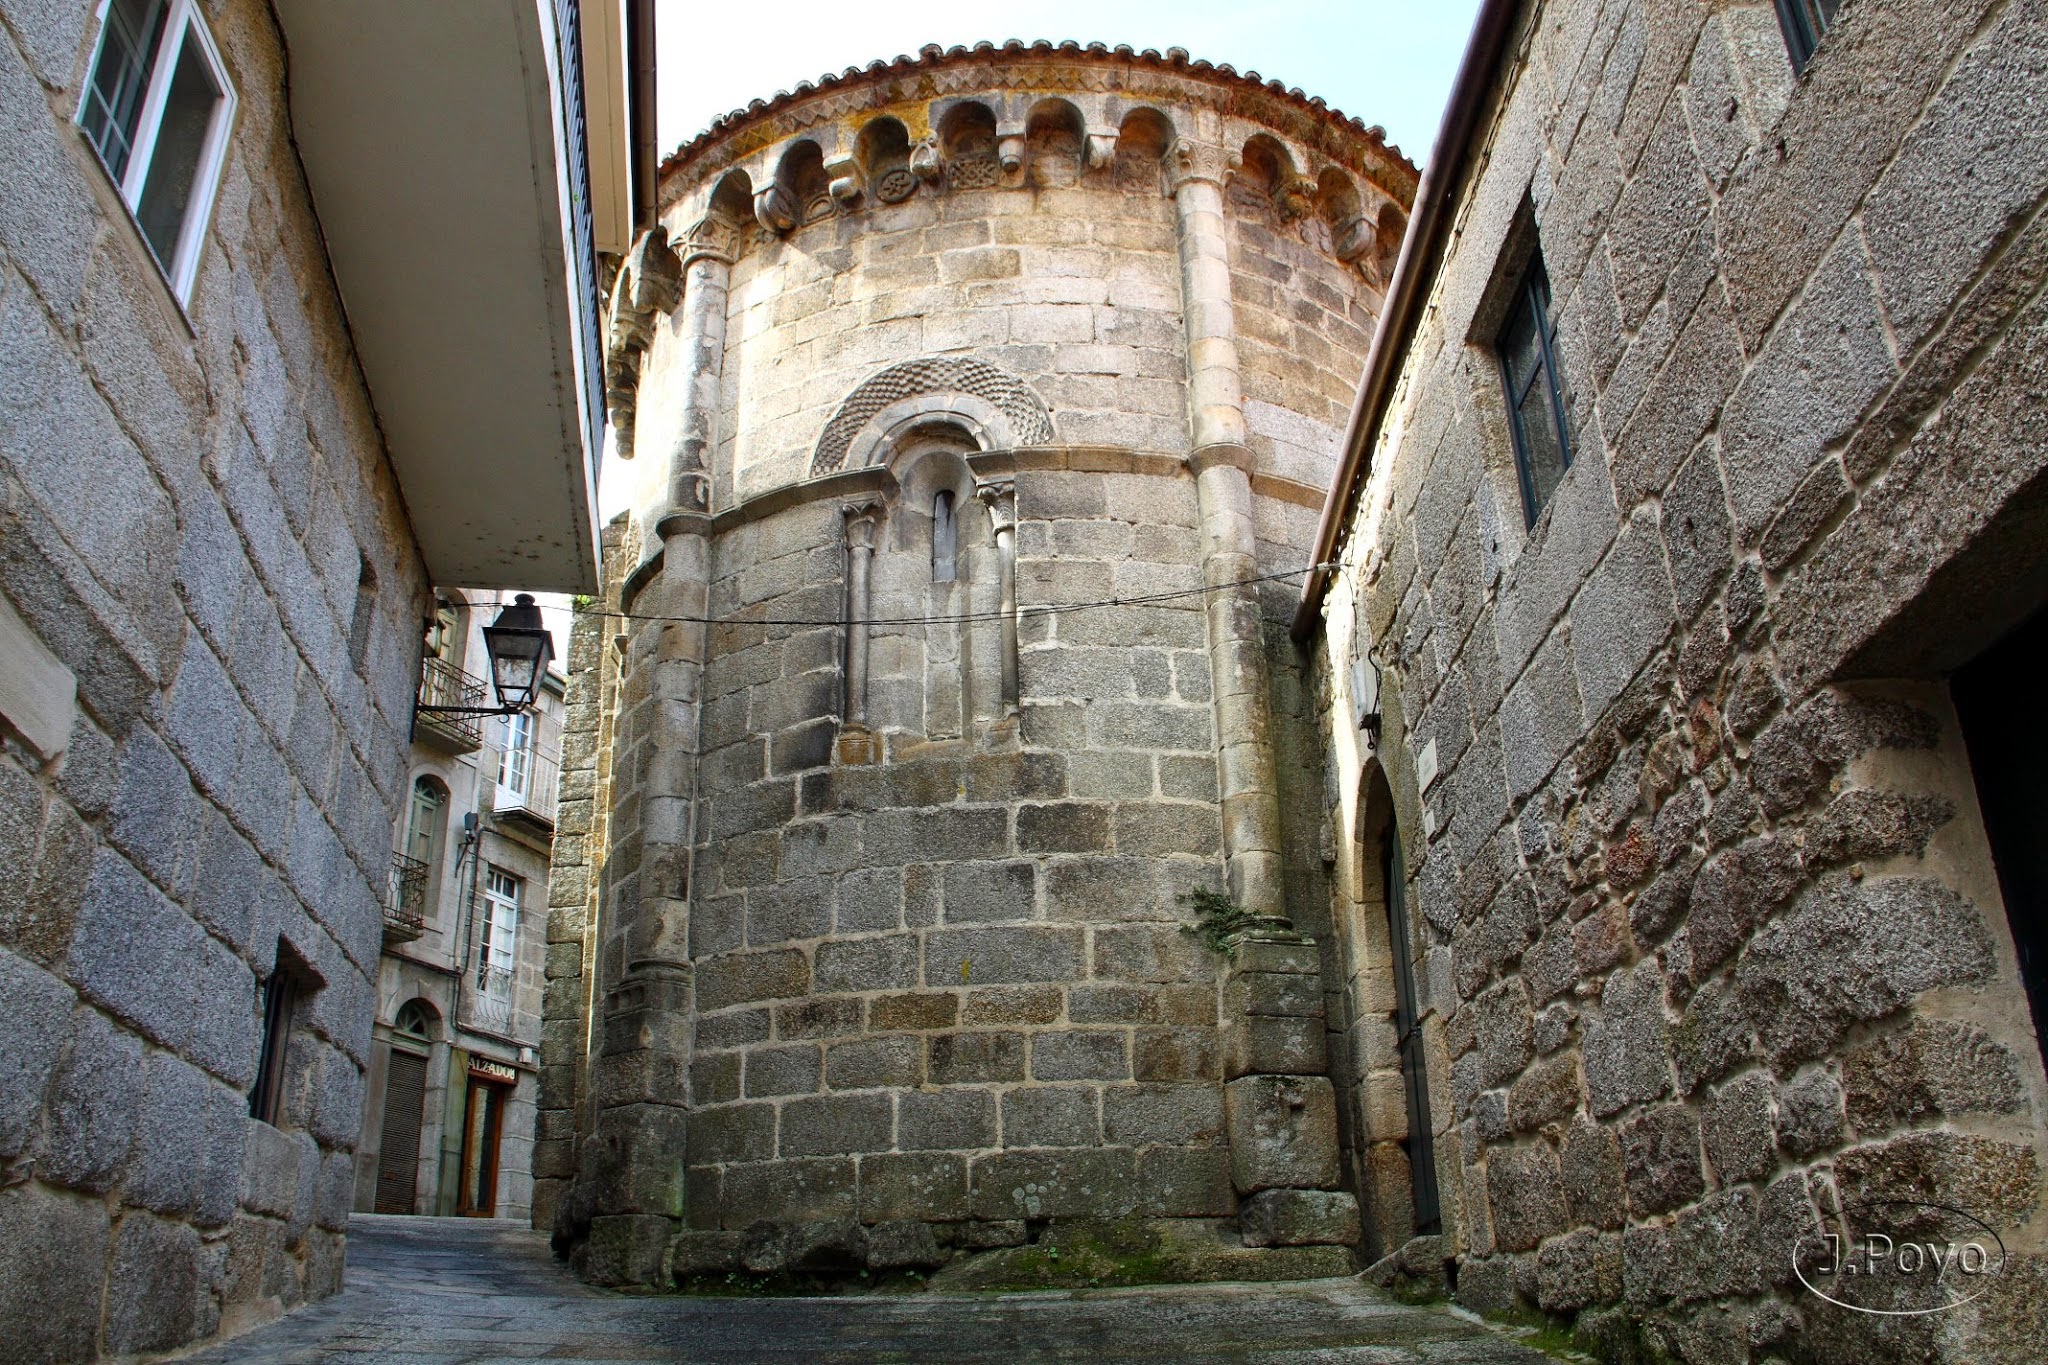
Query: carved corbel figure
point(1010, 153)
point(925, 162)
point(776, 209)
point(1354, 237)
point(1294, 198)
point(844, 181)
point(1100, 151)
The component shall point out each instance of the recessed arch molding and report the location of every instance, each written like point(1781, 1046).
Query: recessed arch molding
point(1003, 406)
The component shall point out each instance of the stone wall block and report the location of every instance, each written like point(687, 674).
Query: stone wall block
point(1300, 1218)
point(1524, 1194)
point(1275, 1045)
point(1661, 1159)
point(1283, 1132)
point(1099, 1183)
point(926, 1185)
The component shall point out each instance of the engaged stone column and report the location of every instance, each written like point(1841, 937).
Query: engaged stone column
point(634, 1166)
point(856, 741)
point(1000, 497)
point(1217, 453)
point(707, 252)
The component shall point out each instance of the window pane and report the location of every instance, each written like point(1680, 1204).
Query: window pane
point(174, 164)
point(1542, 449)
point(1519, 346)
point(120, 78)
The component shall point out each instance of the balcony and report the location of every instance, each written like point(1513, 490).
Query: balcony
point(456, 154)
point(489, 1001)
point(443, 684)
point(528, 766)
point(405, 900)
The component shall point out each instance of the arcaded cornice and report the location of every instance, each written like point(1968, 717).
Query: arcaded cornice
point(937, 73)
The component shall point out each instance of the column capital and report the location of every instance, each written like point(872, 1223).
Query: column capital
point(1000, 497)
point(1204, 161)
point(861, 520)
point(710, 238)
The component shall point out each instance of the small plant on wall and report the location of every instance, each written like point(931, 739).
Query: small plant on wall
point(1217, 919)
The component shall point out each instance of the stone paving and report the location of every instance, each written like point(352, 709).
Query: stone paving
point(444, 1289)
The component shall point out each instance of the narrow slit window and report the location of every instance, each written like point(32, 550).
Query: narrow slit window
point(945, 538)
point(364, 616)
point(157, 108)
point(1528, 363)
point(280, 1004)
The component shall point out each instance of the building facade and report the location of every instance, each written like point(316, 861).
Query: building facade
point(877, 821)
point(1690, 568)
point(225, 467)
point(448, 1104)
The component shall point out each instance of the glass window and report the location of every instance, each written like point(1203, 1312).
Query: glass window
point(515, 762)
point(1804, 21)
point(120, 78)
point(1528, 361)
point(156, 108)
point(423, 824)
point(496, 959)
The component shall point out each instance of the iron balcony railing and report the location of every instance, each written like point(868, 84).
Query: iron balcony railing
point(405, 901)
point(443, 684)
point(490, 1000)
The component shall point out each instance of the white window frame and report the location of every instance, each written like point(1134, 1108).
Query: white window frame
point(183, 20)
point(500, 946)
point(515, 758)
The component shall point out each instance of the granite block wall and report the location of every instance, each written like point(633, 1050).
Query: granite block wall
point(1711, 946)
point(192, 500)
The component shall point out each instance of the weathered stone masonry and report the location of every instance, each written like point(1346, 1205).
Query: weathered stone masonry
point(1711, 942)
point(187, 503)
point(883, 926)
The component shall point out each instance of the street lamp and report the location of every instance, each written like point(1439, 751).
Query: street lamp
point(520, 649)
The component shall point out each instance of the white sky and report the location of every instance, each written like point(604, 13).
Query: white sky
point(1388, 62)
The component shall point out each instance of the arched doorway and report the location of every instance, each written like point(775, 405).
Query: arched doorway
point(1393, 1151)
point(413, 1030)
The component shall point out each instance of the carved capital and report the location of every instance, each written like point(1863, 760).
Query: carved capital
point(1101, 150)
point(1204, 161)
point(861, 520)
point(1000, 497)
point(712, 237)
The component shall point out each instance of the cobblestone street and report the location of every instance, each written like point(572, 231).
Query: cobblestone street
point(443, 1289)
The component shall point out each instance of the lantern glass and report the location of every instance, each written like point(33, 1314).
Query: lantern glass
point(520, 649)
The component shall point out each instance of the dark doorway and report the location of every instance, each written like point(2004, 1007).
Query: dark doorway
point(1997, 696)
point(1420, 1146)
point(398, 1149)
point(482, 1125)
